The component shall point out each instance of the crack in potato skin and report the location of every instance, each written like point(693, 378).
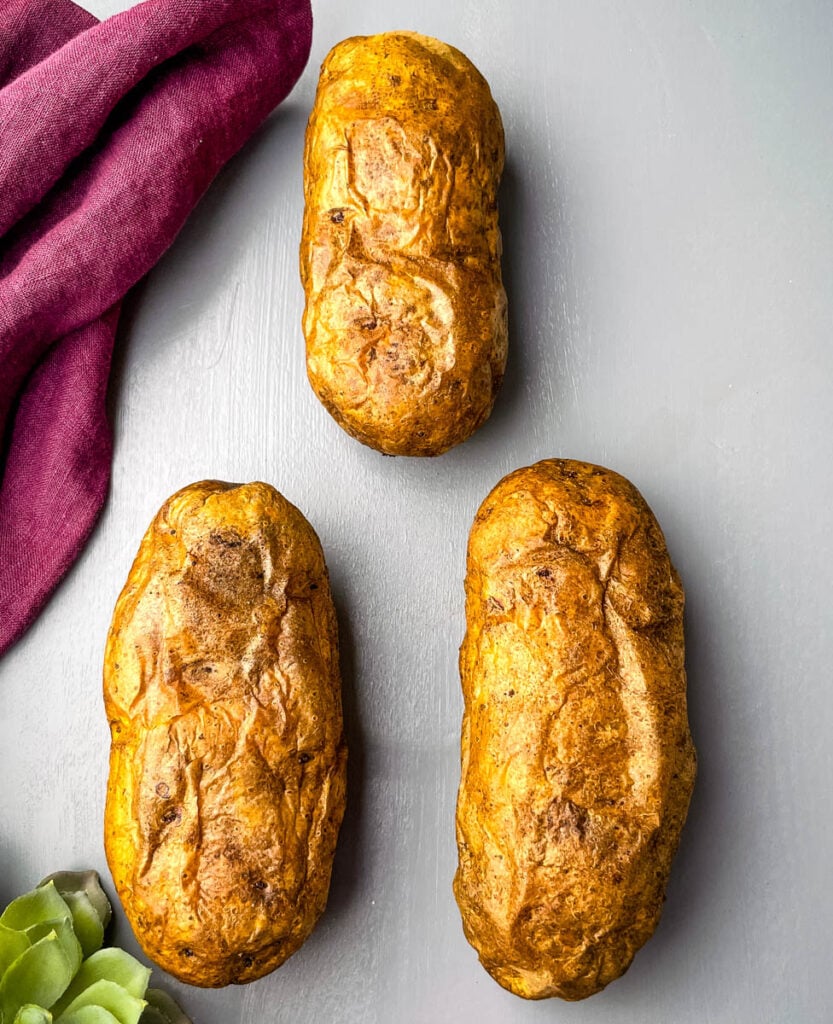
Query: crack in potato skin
point(405, 318)
point(227, 764)
point(577, 760)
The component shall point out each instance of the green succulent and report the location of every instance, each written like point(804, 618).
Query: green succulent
point(53, 969)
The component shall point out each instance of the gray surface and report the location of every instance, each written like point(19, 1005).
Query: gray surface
point(669, 257)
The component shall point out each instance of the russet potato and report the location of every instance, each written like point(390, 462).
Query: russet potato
point(577, 761)
point(227, 764)
point(405, 318)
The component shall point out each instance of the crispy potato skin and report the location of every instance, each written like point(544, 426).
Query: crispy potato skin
point(405, 318)
point(577, 761)
point(227, 765)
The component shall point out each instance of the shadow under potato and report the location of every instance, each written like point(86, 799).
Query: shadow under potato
point(348, 862)
point(536, 289)
point(695, 876)
point(512, 202)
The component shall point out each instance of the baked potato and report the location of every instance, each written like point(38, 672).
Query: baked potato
point(227, 765)
point(577, 761)
point(405, 317)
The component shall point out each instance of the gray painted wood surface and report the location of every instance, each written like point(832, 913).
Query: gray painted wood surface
point(669, 256)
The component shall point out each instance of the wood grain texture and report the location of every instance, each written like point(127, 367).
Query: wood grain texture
point(667, 258)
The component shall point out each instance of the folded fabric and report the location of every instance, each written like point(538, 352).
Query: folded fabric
point(109, 134)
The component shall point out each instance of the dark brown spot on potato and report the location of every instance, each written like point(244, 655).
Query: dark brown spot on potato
point(226, 540)
point(565, 818)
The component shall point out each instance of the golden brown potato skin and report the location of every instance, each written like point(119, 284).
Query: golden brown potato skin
point(227, 765)
point(405, 318)
point(577, 761)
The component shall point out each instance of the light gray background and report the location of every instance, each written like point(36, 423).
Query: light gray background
point(669, 262)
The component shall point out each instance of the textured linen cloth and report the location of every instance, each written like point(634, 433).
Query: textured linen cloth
point(109, 134)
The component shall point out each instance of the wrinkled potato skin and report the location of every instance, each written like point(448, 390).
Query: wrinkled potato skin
point(405, 317)
point(227, 765)
point(577, 761)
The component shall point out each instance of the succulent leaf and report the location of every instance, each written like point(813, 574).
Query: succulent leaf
point(127, 1009)
point(35, 907)
point(90, 1015)
point(12, 944)
point(30, 1014)
point(150, 1015)
point(161, 1009)
point(62, 928)
point(109, 964)
point(86, 882)
point(86, 922)
point(39, 975)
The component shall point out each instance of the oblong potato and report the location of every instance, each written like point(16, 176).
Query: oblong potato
point(227, 765)
point(405, 317)
point(577, 761)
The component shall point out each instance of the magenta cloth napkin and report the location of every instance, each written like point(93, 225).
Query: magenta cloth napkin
point(109, 134)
